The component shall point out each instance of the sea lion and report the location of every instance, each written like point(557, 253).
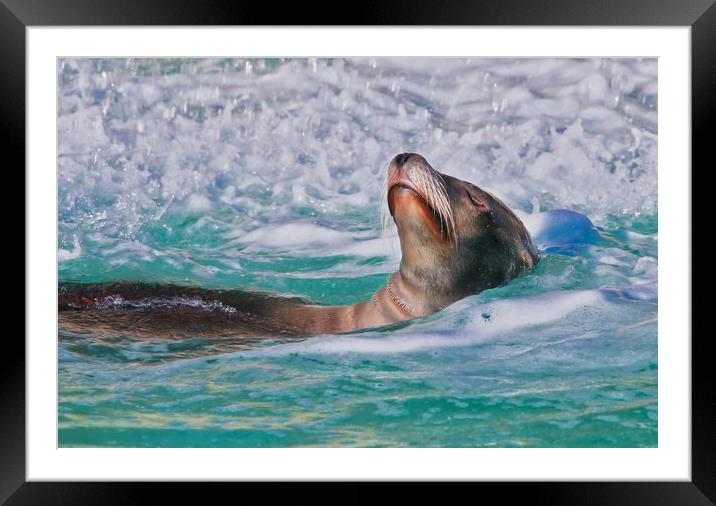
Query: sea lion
point(456, 240)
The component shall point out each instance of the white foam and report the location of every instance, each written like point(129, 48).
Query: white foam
point(309, 239)
point(75, 252)
point(577, 134)
point(198, 203)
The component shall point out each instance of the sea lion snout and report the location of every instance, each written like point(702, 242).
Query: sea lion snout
point(404, 159)
point(397, 169)
point(418, 200)
point(410, 171)
point(401, 158)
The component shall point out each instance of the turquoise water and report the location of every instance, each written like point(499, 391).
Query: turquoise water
point(268, 174)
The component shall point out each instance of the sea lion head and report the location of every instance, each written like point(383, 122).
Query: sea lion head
point(456, 238)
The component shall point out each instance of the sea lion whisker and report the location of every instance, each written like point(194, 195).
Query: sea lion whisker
point(436, 197)
point(423, 185)
point(441, 208)
point(384, 208)
point(434, 205)
point(444, 206)
point(439, 205)
point(448, 211)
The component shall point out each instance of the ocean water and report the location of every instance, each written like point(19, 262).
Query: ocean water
point(268, 174)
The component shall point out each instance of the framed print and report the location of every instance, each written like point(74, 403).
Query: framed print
point(358, 253)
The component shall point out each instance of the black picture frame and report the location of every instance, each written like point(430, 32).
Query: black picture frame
point(700, 15)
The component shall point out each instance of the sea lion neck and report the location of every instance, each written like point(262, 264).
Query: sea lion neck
point(409, 296)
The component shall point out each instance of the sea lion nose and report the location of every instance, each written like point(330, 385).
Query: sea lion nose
point(402, 158)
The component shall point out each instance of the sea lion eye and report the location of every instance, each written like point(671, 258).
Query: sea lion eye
point(475, 201)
